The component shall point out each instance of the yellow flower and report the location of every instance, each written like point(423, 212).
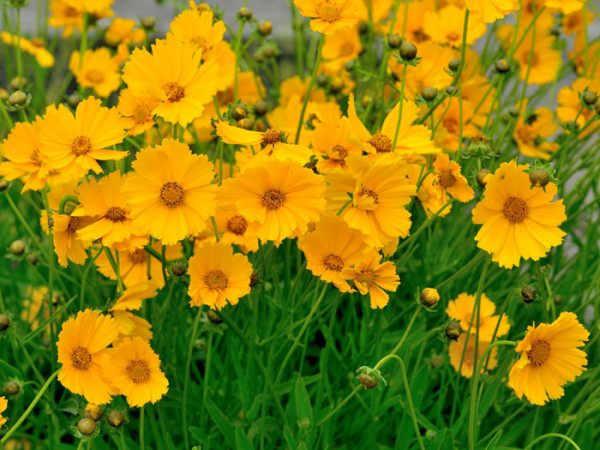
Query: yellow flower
point(134, 369)
point(332, 247)
point(371, 198)
point(531, 133)
point(67, 245)
point(445, 26)
point(97, 70)
point(371, 276)
point(94, 7)
point(565, 6)
point(136, 111)
point(82, 344)
point(170, 192)
point(279, 198)
point(75, 143)
point(450, 180)
point(131, 326)
point(218, 276)
point(492, 10)
point(412, 139)
point(342, 46)
point(233, 229)
point(132, 298)
point(519, 221)
point(569, 103)
point(174, 76)
point(3, 405)
point(411, 25)
point(457, 348)
point(123, 31)
point(330, 16)
point(550, 357)
point(65, 15)
point(35, 47)
point(449, 117)
point(197, 29)
point(462, 308)
point(334, 141)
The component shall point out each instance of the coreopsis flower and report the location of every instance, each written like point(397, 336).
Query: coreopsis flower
point(457, 348)
point(566, 6)
point(97, 69)
point(134, 368)
point(62, 14)
point(341, 47)
point(170, 191)
point(271, 142)
point(133, 297)
point(531, 132)
point(330, 248)
point(3, 405)
point(218, 276)
point(550, 357)
point(330, 16)
point(22, 155)
point(197, 29)
point(76, 143)
point(82, 345)
point(34, 47)
point(371, 197)
point(278, 198)
point(569, 103)
point(451, 182)
point(129, 324)
point(68, 246)
point(136, 112)
point(233, 229)
point(371, 276)
point(122, 32)
point(410, 25)
point(519, 221)
point(492, 10)
point(429, 194)
point(174, 76)
point(445, 26)
point(103, 200)
point(333, 140)
point(462, 308)
point(412, 139)
point(450, 115)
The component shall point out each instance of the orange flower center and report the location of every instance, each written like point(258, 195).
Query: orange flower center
point(327, 11)
point(271, 137)
point(116, 214)
point(273, 199)
point(365, 278)
point(515, 210)
point(525, 133)
point(71, 12)
point(333, 262)
point(452, 36)
point(35, 157)
point(141, 114)
point(94, 76)
point(381, 142)
point(138, 256)
point(200, 42)
point(447, 179)
point(451, 124)
point(81, 145)
point(237, 225)
point(171, 194)
point(339, 153)
point(138, 371)
point(540, 351)
point(346, 49)
point(174, 92)
point(366, 199)
point(216, 279)
point(73, 224)
point(37, 42)
point(81, 358)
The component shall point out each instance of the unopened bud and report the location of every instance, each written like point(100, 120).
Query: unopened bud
point(528, 294)
point(451, 90)
point(213, 316)
point(93, 412)
point(453, 331)
point(12, 388)
point(73, 100)
point(254, 278)
point(86, 426)
point(368, 381)
point(394, 41)
point(322, 80)
point(3, 94)
point(453, 65)
point(261, 108)
point(590, 97)
point(239, 112)
point(430, 297)
point(502, 66)
point(33, 258)
point(178, 269)
point(265, 28)
point(18, 83)
point(148, 23)
point(437, 361)
point(246, 124)
point(408, 51)
point(269, 52)
point(4, 322)
point(429, 93)
point(245, 13)
point(337, 85)
point(363, 27)
point(116, 418)
point(18, 98)
point(17, 247)
point(481, 177)
point(539, 177)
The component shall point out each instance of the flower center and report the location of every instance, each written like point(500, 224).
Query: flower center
point(171, 194)
point(451, 124)
point(174, 92)
point(271, 137)
point(216, 279)
point(515, 210)
point(273, 199)
point(200, 42)
point(81, 358)
point(381, 142)
point(327, 11)
point(447, 179)
point(339, 153)
point(138, 371)
point(334, 262)
point(453, 36)
point(71, 12)
point(237, 225)
point(366, 199)
point(35, 157)
point(81, 145)
point(141, 114)
point(116, 214)
point(138, 256)
point(540, 350)
point(73, 224)
point(94, 76)
point(365, 278)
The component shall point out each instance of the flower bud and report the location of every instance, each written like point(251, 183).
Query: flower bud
point(265, 28)
point(453, 65)
point(12, 387)
point(245, 13)
point(502, 66)
point(246, 124)
point(481, 177)
point(429, 93)
point(368, 381)
point(148, 23)
point(453, 331)
point(590, 97)
point(539, 177)
point(451, 90)
point(18, 83)
point(269, 52)
point(3, 94)
point(528, 294)
point(258, 56)
point(337, 85)
point(408, 51)
point(116, 418)
point(4, 322)
point(18, 98)
point(254, 278)
point(73, 100)
point(394, 41)
point(213, 317)
point(322, 80)
point(239, 112)
point(430, 434)
point(86, 426)
point(437, 361)
point(178, 269)
point(17, 247)
point(555, 31)
point(3, 185)
point(33, 258)
point(261, 108)
point(93, 412)
point(430, 297)
point(558, 299)
point(514, 113)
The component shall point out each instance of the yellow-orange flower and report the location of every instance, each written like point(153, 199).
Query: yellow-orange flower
point(97, 70)
point(531, 133)
point(450, 180)
point(136, 112)
point(330, 16)
point(3, 405)
point(334, 141)
point(197, 29)
point(457, 348)
point(462, 308)
point(492, 10)
point(445, 26)
point(34, 47)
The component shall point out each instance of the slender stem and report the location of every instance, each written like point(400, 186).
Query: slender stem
point(238, 46)
point(19, 52)
point(186, 381)
point(401, 103)
point(142, 446)
point(549, 435)
point(313, 77)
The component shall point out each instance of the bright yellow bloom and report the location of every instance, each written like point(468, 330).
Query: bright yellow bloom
point(134, 369)
point(82, 345)
point(218, 276)
point(342, 46)
point(94, 7)
point(371, 276)
point(531, 133)
point(450, 180)
point(170, 192)
point(131, 326)
point(569, 103)
point(462, 309)
point(75, 143)
point(332, 247)
point(445, 26)
point(197, 29)
point(136, 111)
point(330, 16)
point(233, 229)
point(334, 141)
point(174, 76)
point(550, 357)
point(97, 70)
point(430, 193)
point(519, 221)
point(279, 198)
point(565, 6)
point(3, 405)
point(457, 348)
point(492, 10)
point(132, 298)
point(35, 47)
point(122, 32)
point(67, 245)
point(65, 15)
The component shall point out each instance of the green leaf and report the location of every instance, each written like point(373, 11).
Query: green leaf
point(241, 440)
point(221, 422)
point(494, 442)
point(304, 412)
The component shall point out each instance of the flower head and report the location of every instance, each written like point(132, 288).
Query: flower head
point(330, 16)
point(469, 361)
point(3, 405)
point(490, 325)
point(97, 69)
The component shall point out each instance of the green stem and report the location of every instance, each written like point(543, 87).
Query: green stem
point(400, 107)
point(186, 381)
point(549, 435)
point(313, 77)
point(238, 45)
